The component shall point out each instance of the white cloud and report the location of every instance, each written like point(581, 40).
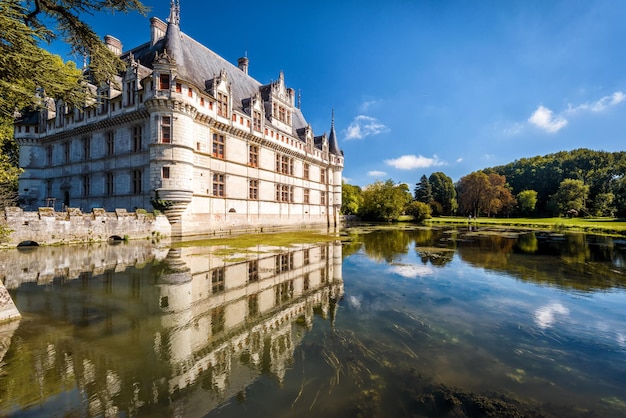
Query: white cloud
point(600, 105)
point(411, 162)
point(346, 179)
point(550, 122)
point(368, 104)
point(459, 160)
point(363, 126)
point(376, 173)
point(545, 119)
point(513, 130)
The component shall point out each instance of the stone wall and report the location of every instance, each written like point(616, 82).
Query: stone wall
point(72, 226)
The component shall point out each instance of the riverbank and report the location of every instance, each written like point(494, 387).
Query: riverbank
point(609, 226)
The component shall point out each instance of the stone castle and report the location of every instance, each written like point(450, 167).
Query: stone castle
point(186, 132)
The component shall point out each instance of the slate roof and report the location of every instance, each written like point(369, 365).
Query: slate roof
point(198, 64)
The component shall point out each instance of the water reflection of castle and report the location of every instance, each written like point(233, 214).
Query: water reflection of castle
point(214, 325)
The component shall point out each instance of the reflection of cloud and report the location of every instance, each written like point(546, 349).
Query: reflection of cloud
point(354, 302)
point(411, 271)
point(544, 316)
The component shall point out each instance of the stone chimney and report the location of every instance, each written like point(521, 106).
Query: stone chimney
point(243, 64)
point(157, 29)
point(113, 44)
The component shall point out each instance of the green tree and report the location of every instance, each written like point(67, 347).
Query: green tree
point(420, 211)
point(571, 195)
point(423, 190)
point(351, 199)
point(603, 204)
point(443, 191)
point(28, 72)
point(527, 201)
point(384, 201)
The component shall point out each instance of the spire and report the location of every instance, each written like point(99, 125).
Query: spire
point(333, 146)
point(174, 13)
point(173, 42)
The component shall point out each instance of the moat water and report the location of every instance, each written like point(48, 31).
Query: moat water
point(391, 323)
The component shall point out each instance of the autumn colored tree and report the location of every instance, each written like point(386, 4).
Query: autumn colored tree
point(499, 197)
point(473, 192)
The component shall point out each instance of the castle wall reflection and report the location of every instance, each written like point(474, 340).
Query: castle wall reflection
point(132, 329)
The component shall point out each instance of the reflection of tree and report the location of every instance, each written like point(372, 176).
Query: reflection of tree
point(491, 251)
point(385, 245)
point(528, 243)
point(567, 260)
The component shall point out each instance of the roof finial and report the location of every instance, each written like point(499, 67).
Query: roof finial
point(174, 12)
point(299, 99)
point(332, 120)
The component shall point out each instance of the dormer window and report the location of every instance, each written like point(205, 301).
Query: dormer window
point(257, 120)
point(282, 114)
point(222, 104)
point(164, 82)
point(130, 92)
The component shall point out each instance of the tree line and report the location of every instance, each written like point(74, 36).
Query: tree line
point(581, 182)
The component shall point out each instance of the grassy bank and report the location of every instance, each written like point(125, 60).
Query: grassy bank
point(614, 226)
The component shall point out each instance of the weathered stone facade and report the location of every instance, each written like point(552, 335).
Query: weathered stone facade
point(72, 226)
point(184, 131)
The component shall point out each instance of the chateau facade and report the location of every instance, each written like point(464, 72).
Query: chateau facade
point(184, 131)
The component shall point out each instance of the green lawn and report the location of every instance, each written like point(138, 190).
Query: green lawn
point(595, 225)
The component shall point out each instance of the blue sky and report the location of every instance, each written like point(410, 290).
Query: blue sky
point(424, 86)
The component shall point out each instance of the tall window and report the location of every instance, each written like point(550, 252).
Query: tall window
point(307, 192)
point(253, 270)
point(322, 198)
point(222, 104)
point(165, 172)
point(218, 146)
point(108, 183)
point(110, 142)
point(284, 193)
point(282, 114)
point(179, 88)
point(137, 138)
point(66, 152)
point(254, 156)
point(130, 92)
point(136, 177)
point(217, 280)
point(164, 82)
point(49, 154)
point(253, 192)
point(305, 173)
point(86, 145)
point(218, 185)
point(166, 129)
point(190, 92)
point(284, 164)
point(86, 185)
point(257, 121)
point(323, 176)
